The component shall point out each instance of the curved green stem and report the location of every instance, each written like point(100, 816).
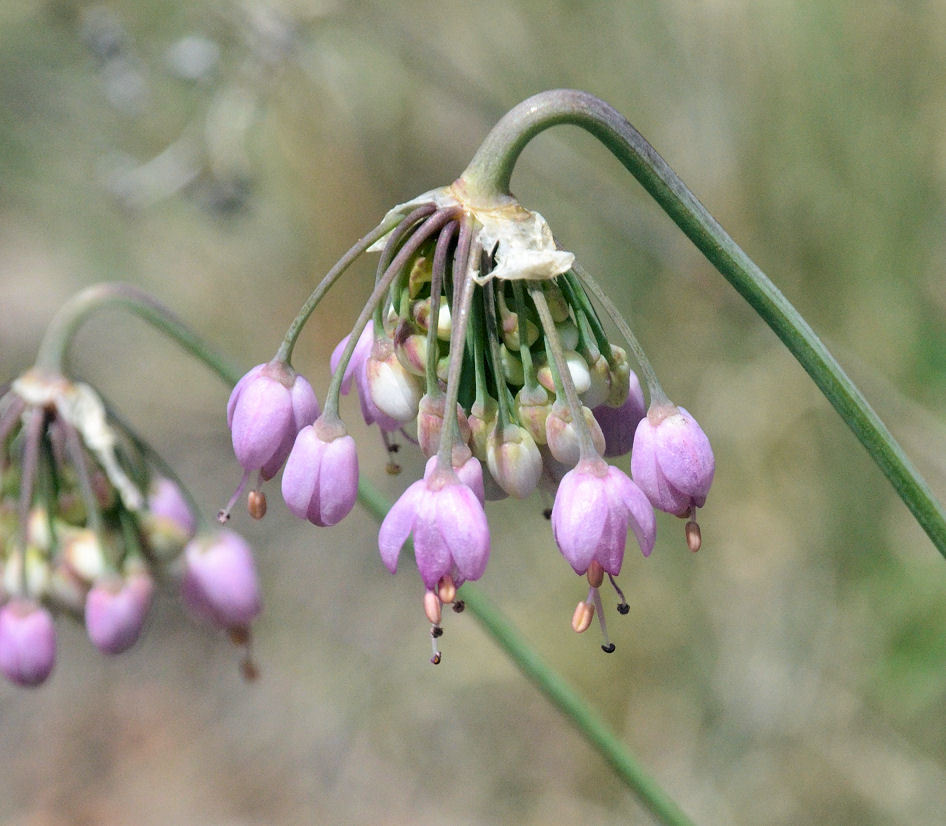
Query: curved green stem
point(488, 177)
point(592, 728)
point(74, 313)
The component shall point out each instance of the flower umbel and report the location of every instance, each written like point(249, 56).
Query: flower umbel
point(481, 331)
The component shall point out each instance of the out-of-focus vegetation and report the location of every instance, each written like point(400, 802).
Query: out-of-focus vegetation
point(224, 155)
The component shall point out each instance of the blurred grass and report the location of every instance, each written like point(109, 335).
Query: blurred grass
point(793, 671)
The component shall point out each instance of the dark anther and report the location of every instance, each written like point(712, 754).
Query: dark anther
point(623, 608)
point(547, 513)
point(458, 606)
point(394, 447)
point(436, 631)
point(608, 649)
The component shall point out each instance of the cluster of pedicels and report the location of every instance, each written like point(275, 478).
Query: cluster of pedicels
point(90, 524)
point(479, 341)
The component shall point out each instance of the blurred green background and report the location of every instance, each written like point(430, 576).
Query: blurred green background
point(223, 155)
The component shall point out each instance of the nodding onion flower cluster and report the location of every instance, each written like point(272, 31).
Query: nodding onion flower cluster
point(481, 332)
point(90, 523)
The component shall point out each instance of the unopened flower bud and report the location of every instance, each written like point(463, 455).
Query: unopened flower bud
point(562, 434)
point(37, 572)
point(511, 367)
point(168, 521)
point(27, 642)
point(568, 334)
point(411, 349)
point(482, 420)
point(83, 553)
point(599, 391)
point(115, 611)
point(320, 482)
point(219, 583)
point(266, 410)
point(672, 460)
point(393, 389)
point(577, 369)
point(532, 409)
point(430, 414)
point(513, 459)
point(621, 380)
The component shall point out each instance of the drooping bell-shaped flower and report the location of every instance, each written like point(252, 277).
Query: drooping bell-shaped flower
point(27, 642)
point(595, 505)
point(220, 583)
point(448, 523)
point(672, 461)
point(266, 410)
point(618, 424)
point(320, 482)
point(115, 611)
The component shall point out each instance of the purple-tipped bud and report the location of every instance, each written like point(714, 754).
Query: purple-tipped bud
point(168, 520)
point(219, 583)
point(618, 424)
point(320, 482)
point(115, 611)
point(267, 408)
point(514, 460)
point(27, 642)
point(451, 536)
point(595, 505)
point(672, 460)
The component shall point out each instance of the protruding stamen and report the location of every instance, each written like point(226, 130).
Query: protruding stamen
point(581, 619)
point(249, 670)
point(693, 534)
point(392, 447)
point(623, 607)
point(446, 590)
point(432, 608)
point(256, 504)
point(595, 574)
point(607, 646)
point(223, 515)
point(436, 656)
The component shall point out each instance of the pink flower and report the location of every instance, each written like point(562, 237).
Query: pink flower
point(619, 423)
point(448, 523)
point(115, 611)
point(672, 460)
point(595, 505)
point(266, 410)
point(320, 482)
point(27, 642)
point(219, 583)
